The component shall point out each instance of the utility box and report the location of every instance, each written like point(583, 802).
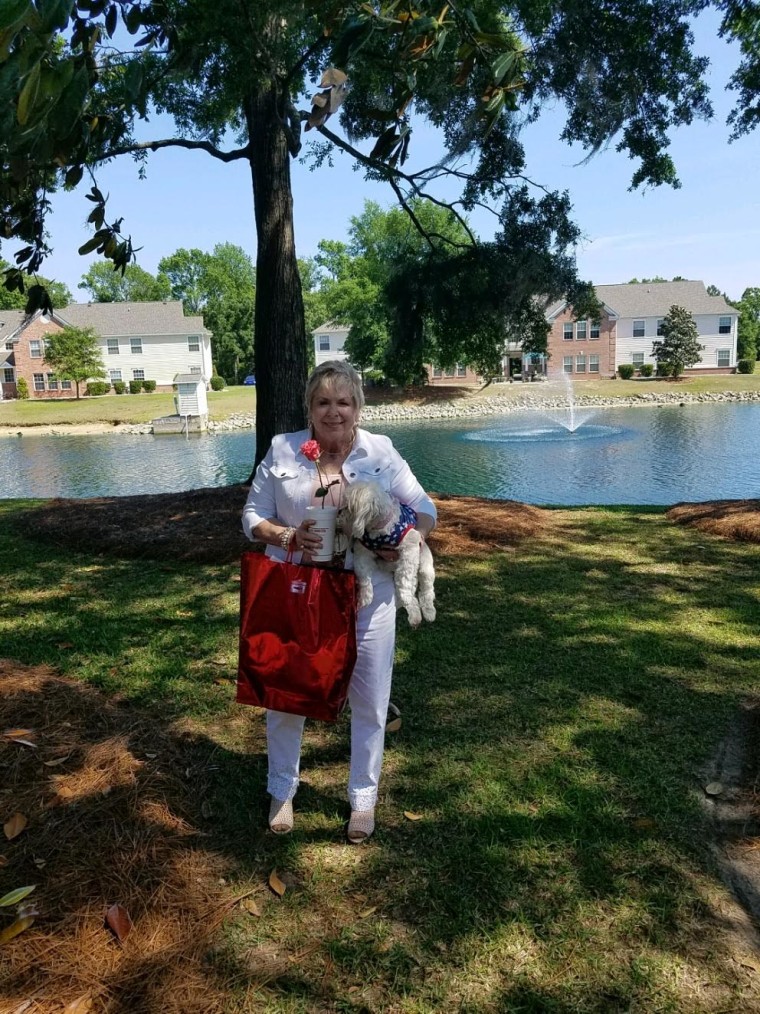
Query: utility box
point(190, 398)
point(190, 406)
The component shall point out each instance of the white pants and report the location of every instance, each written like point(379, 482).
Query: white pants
point(368, 696)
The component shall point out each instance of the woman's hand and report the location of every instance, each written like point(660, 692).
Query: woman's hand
point(308, 542)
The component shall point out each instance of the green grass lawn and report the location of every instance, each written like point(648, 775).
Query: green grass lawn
point(555, 720)
point(123, 408)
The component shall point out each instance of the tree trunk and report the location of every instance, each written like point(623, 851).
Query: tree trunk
point(279, 337)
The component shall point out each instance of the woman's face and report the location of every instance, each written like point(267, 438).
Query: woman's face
point(333, 415)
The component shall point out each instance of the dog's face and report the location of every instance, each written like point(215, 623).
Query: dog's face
point(368, 508)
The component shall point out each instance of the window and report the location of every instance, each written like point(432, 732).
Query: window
point(8, 376)
point(724, 357)
point(324, 343)
point(52, 382)
point(195, 369)
point(660, 331)
point(724, 325)
point(639, 328)
point(193, 343)
point(35, 349)
point(594, 332)
point(65, 385)
point(449, 371)
point(637, 358)
point(567, 332)
point(9, 346)
point(580, 364)
point(593, 364)
point(580, 331)
point(114, 375)
point(112, 346)
point(39, 381)
point(437, 371)
point(567, 364)
point(138, 374)
point(136, 345)
point(461, 370)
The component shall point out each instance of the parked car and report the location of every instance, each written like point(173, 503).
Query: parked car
point(250, 380)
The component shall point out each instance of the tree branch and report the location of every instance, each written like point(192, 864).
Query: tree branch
point(393, 175)
point(178, 142)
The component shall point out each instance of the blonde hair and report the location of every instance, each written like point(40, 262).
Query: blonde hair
point(334, 372)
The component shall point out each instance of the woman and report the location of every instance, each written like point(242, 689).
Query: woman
point(286, 482)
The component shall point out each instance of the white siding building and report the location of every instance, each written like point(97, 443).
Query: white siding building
point(640, 309)
point(145, 341)
point(329, 340)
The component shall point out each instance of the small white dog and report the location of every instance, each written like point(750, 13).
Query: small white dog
point(376, 520)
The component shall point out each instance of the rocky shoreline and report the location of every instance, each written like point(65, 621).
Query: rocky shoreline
point(467, 408)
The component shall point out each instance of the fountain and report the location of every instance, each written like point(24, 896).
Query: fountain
point(570, 417)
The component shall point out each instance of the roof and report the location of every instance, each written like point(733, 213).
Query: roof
point(10, 321)
point(189, 378)
point(330, 325)
point(654, 299)
point(111, 319)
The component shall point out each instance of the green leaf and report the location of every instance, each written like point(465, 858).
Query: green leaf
point(133, 79)
point(55, 14)
point(74, 175)
point(90, 245)
point(28, 95)
point(111, 17)
point(12, 11)
point(502, 65)
point(14, 897)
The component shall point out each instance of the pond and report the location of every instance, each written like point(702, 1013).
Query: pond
point(652, 455)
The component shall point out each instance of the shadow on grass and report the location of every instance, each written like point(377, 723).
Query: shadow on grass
point(554, 719)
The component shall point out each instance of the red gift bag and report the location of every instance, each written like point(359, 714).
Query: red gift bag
point(297, 637)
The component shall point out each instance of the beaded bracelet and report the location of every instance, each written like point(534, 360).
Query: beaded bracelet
point(287, 537)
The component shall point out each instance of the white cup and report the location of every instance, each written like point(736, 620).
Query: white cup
point(325, 519)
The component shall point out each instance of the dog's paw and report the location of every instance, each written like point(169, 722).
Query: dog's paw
point(429, 613)
point(413, 613)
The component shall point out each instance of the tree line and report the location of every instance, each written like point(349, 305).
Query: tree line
point(80, 80)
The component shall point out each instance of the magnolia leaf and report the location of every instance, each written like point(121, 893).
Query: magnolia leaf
point(118, 921)
point(3, 860)
point(320, 99)
point(332, 76)
point(276, 884)
point(367, 912)
point(14, 897)
point(23, 736)
point(207, 810)
point(15, 928)
point(413, 816)
point(714, 789)
point(40, 863)
point(394, 725)
point(250, 906)
point(57, 762)
point(321, 491)
point(82, 1005)
point(14, 826)
point(64, 644)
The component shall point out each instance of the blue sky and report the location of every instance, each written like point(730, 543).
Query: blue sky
point(709, 229)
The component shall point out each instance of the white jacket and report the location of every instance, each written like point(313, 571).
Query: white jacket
point(284, 481)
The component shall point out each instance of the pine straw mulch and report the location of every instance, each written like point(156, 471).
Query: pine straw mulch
point(111, 803)
point(732, 519)
point(203, 525)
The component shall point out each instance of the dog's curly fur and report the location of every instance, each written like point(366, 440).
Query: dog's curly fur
point(369, 509)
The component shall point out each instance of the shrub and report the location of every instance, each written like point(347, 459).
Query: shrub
point(745, 366)
point(97, 387)
point(218, 383)
point(626, 370)
point(149, 386)
point(22, 389)
point(374, 378)
point(119, 386)
point(135, 386)
point(664, 369)
point(646, 369)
